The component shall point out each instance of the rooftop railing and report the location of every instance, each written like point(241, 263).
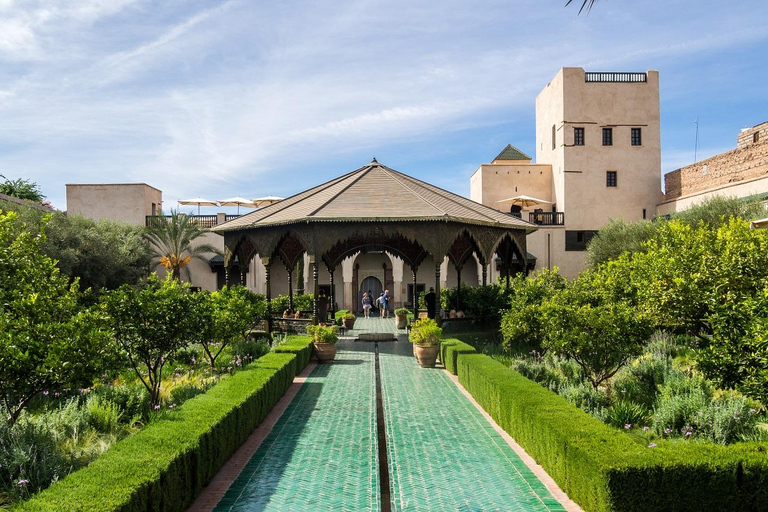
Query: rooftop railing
point(599, 76)
point(204, 221)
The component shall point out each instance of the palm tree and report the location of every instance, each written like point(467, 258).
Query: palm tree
point(585, 4)
point(171, 239)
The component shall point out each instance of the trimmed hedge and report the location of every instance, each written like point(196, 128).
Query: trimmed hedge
point(450, 349)
point(299, 345)
point(602, 468)
point(163, 467)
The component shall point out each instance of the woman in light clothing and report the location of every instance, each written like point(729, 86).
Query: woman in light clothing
point(367, 305)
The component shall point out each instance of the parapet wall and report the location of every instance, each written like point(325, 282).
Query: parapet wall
point(748, 161)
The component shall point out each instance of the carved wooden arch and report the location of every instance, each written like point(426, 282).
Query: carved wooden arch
point(411, 252)
point(289, 249)
point(508, 250)
point(464, 245)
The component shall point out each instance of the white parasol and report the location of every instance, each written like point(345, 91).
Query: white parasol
point(199, 201)
point(524, 201)
point(266, 201)
point(237, 201)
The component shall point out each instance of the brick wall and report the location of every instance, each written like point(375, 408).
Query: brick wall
point(748, 161)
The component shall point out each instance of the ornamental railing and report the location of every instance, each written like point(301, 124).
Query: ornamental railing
point(204, 221)
point(600, 76)
point(547, 218)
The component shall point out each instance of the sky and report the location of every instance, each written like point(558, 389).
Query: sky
point(243, 98)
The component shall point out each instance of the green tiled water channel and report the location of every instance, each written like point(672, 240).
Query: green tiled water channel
point(443, 455)
point(322, 453)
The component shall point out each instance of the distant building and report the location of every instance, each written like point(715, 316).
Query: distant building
point(741, 172)
point(598, 156)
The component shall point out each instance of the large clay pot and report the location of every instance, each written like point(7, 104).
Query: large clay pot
point(349, 323)
point(426, 355)
point(402, 321)
point(325, 352)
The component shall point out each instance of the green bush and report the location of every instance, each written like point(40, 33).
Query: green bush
point(249, 348)
point(425, 332)
point(301, 346)
point(163, 467)
point(132, 400)
point(625, 414)
point(603, 469)
point(103, 415)
point(450, 350)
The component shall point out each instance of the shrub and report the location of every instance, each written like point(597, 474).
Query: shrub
point(301, 346)
point(131, 399)
point(640, 381)
point(625, 414)
point(521, 324)
point(605, 470)
point(323, 334)
point(250, 348)
point(425, 332)
point(585, 397)
point(29, 460)
point(402, 311)
point(165, 466)
point(727, 419)
point(450, 350)
point(103, 415)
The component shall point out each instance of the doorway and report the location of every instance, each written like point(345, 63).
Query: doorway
point(373, 284)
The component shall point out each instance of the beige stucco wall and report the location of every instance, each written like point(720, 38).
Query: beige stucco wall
point(128, 202)
point(739, 189)
point(493, 182)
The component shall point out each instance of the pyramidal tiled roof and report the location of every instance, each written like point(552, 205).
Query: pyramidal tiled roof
point(374, 193)
point(512, 153)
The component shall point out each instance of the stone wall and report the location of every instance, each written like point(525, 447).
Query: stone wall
point(748, 161)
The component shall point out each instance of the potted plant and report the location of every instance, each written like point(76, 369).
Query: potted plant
point(401, 317)
point(348, 321)
point(425, 336)
point(324, 340)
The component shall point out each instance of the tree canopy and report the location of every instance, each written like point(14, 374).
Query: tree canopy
point(172, 242)
point(22, 189)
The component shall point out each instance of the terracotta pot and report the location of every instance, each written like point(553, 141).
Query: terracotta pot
point(426, 355)
point(325, 352)
point(402, 321)
point(349, 323)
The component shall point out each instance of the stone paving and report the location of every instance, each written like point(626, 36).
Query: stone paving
point(442, 453)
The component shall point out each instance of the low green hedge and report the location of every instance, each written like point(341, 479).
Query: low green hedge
point(603, 469)
point(450, 349)
point(164, 467)
point(299, 345)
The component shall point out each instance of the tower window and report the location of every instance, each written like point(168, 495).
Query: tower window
point(553, 136)
point(637, 137)
point(607, 136)
point(755, 137)
point(611, 179)
point(578, 136)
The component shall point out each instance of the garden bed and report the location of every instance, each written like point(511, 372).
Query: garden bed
point(163, 467)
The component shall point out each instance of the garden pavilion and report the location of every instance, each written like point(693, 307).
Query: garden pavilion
point(374, 209)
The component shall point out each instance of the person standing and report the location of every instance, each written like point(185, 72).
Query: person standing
point(367, 305)
point(429, 299)
point(373, 301)
point(384, 300)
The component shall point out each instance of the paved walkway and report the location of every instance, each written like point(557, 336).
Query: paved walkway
point(442, 454)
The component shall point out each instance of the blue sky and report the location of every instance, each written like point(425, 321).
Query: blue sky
point(218, 99)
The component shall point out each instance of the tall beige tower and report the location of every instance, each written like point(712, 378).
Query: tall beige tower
point(600, 132)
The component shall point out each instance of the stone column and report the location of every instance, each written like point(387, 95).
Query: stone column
point(315, 289)
point(437, 290)
point(265, 262)
point(331, 298)
point(415, 295)
point(485, 274)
